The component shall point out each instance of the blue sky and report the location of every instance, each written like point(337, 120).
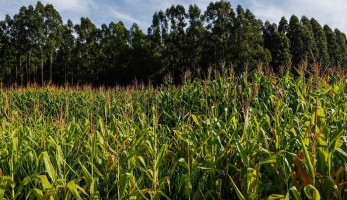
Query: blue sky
point(332, 12)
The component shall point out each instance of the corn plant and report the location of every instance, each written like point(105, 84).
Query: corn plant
point(246, 136)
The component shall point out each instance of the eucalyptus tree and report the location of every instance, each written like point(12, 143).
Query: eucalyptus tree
point(53, 34)
point(342, 50)
point(309, 40)
point(119, 48)
point(158, 31)
point(104, 42)
point(220, 33)
point(303, 46)
point(248, 46)
point(283, 26)
point(333, 46)
point(65, 54)
point(86, 33)
point(176, 45)
point(195, 37)
point(140, 58)
point(20, 32)
point(321, 41)
point(7, 50)
point(296, 37)
point(38, 39)
point(157, 35)
point(278, 44)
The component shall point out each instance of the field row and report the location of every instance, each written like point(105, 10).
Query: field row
point(227, 137)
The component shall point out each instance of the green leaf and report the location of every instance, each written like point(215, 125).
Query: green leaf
point(308, 159)
point(122, 184)
point(251, 181)
point(49, 167)
point(186, 184)
point(272, 159)
point(44, 181)
point(339, 142)
point(322, 155)
point(243, 154)
point(195, 119)
point(184, 163)
point(25, 182)
point(162, 153)
point(277, 197)
point(140, 158)
point(238, 192)
point(342, 152)
point(160, 193)
point(37, 192)
point(4, 181)
point(74, 189)
point(311, 192)
point(295, 193)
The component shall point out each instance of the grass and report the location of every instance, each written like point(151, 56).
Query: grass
point(252, 136)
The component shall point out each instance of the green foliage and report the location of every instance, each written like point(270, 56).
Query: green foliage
point(225, 137)
point(37, 47)
point(302, 43)
point(278, 44)
point(333, 46)
point(321, 41)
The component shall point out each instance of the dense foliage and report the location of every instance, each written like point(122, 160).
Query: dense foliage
point(221, 138)
point(37, 47)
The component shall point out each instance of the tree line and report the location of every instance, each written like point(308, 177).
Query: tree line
point(36, 46)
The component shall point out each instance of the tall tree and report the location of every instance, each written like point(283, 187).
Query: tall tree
point(220, 19)
point(21, 32)
point(278, 44)
point(342, 50)
point(296, 35)
point(283, 26)
point(53, 31)
point(249, 41)
point(120, 41)
point(309, 40)
point(158, 34)
point(333, 46)
point(176, 44)
point(159, 30)
point(195, 37)
point(7, 56)
point(140, 58)
point(65, 54)
point(84, 56)
point(39, 38)
point(321, 41)
point(115, 53)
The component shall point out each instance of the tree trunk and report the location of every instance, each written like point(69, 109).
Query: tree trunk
point(16, 81)
point(50, 67)
point(26, 71)
point(29, 68)
point(42, 83)
point(65, 75)
point(21, 71)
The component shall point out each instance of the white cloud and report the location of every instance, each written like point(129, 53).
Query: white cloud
point(141, 11)
point(123, 16)
point(69, 9)
point(331, 12)
point(69, 5)
point(267, 11)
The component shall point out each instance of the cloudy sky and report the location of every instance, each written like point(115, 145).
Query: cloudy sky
point(332, 12)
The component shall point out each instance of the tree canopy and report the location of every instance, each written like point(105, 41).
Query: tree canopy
point(38, 47)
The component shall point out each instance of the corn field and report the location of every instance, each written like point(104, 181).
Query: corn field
point(253, 136)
